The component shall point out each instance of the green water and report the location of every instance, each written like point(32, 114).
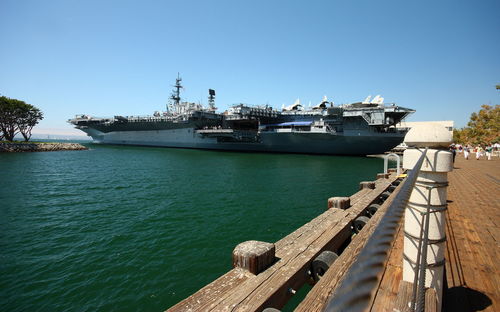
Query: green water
point(130, 228)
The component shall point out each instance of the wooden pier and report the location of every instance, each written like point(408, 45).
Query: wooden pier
point(472, 270)
point(473, 233)
point(274, 279)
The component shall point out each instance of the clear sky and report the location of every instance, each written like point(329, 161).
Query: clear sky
point(107, 58)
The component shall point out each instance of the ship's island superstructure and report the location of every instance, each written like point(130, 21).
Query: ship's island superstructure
point(361, 128)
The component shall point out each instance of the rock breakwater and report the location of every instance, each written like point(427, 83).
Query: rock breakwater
point(39, 147)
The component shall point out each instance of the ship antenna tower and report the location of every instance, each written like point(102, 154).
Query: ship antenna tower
point(211, 100)
point(176, 93)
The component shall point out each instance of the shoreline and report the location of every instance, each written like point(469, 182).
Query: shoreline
point(13, 147)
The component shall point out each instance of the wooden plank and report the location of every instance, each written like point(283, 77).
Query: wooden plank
point(273, 282)
point(317, 298)
point(294, 275)
point(405, 294)
point(212, 291)
point(430, 300)
point(405, 297)
point(472, 230)
point(367, 199)
point(380, 186)
point(303, 230)
point(387, 301)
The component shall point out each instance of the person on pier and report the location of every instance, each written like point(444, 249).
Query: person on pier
point(466, 151)
point(489, 149)
point(453, 150)
point(479, 152)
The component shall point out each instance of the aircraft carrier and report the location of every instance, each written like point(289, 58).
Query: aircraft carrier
point(361, 128)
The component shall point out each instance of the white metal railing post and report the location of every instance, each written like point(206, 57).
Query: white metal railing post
point(386, 163)
point(427, 198)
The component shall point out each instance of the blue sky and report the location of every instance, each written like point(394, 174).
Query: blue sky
point(107, 58)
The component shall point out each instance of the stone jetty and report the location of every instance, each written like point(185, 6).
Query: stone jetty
point(39, 147)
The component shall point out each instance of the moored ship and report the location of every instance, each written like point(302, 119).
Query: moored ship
point(361, 128)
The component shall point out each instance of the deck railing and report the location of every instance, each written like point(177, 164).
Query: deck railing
point(355, 291)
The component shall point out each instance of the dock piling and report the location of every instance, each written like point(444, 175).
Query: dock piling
point(339, 202)
point(254, 256)
point(383, 175)
point(367, 185)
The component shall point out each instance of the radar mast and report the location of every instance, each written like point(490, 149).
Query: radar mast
point(176, 93)
point(211, 100)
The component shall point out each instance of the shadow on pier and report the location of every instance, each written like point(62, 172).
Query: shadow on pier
point(461, 298)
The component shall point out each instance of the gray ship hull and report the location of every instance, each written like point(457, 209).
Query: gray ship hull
point(359, 128)
point(352, 142)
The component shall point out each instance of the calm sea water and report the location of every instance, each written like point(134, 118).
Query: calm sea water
point(130, 228)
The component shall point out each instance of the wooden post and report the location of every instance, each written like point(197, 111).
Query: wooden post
point(367, 185)
point(339, 202)
point(254, 256)
point(383, 175)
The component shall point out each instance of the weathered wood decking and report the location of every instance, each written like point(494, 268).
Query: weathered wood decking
point(473, 234)
point(317, 298)
point(472, 247)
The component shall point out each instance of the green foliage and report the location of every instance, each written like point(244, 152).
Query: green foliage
point(483, 127)
point(17, 117)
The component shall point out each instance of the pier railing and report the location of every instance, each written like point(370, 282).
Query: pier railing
point(267, 275)
point(355, 292)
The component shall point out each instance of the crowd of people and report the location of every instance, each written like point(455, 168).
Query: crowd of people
point(479, 150)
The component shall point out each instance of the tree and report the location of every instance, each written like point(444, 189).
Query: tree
point(17, 117)
point(483, 127)
point(9, 110)
point(30, 116)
